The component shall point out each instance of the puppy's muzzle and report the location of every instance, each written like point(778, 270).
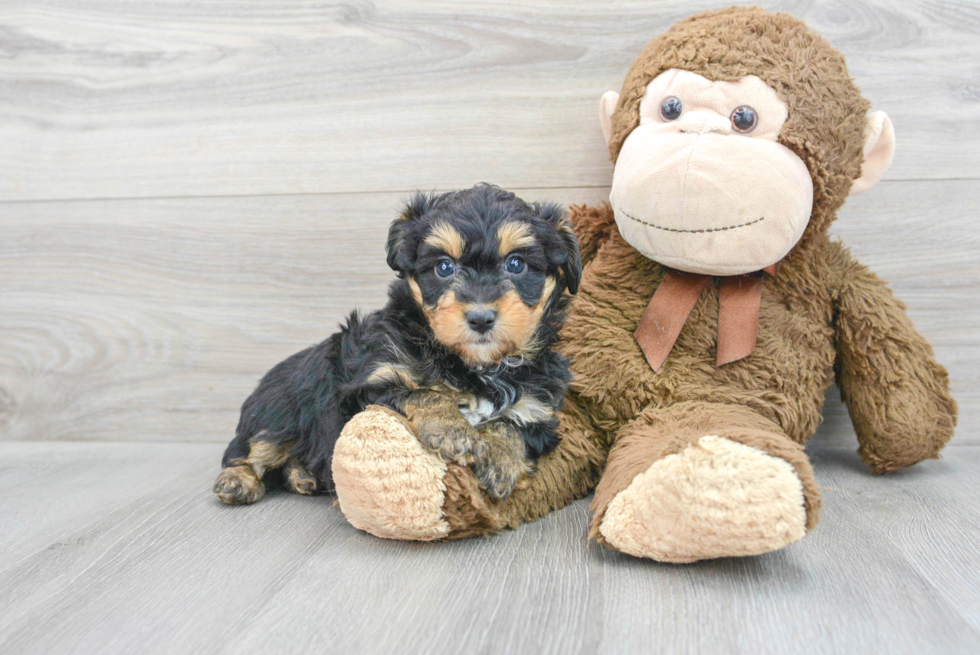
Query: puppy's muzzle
point(481, 320)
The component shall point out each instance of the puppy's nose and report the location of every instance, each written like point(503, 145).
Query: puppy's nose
point(481, 320)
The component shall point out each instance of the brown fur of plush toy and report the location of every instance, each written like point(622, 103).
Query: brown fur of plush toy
point(823, 317)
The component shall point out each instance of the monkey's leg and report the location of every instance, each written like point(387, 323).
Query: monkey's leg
point(703, 480)
point(388, 484)
point(240, 481)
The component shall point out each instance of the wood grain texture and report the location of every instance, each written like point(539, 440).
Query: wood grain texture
point(134, 554)
point(108, 98)
point(154, 319)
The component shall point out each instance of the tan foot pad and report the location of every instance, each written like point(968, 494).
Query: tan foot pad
point(716, 498)
point(387, 483)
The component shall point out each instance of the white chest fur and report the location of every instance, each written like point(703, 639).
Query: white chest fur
point(478, 411)
point(526, 410)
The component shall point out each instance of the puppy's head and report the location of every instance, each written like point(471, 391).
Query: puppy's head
point(486, 268)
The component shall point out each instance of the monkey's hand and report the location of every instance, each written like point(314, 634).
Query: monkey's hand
point(896, 393)
point(501, 459)
point(441, 427)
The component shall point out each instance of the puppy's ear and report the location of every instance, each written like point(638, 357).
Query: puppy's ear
point(403, 234)
point(567, 254)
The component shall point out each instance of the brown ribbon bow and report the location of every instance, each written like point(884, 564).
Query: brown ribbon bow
point(672, 302)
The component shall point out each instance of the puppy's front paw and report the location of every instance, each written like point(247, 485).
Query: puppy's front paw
point(441, 428)
point(453, 443)
point(502, 460)
point(238, 485)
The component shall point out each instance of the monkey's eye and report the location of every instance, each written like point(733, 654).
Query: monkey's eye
point(445, 268)
point(744, 119)
point(671, 108)
point(515, 265)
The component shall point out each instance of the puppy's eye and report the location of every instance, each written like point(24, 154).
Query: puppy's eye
point(445, 268)
point(515, 265)
point(671, 108)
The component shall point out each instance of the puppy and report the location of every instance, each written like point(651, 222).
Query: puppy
point(463, 349)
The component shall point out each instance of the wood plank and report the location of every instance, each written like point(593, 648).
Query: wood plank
point(908, 507)
point(164, 567)
point(106, 99)
point(154, 319)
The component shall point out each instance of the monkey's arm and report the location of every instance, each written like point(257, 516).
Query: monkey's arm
point(592, 226)
point(897, 394)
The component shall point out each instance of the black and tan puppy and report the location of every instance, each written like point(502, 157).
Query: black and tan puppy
point(463, 349)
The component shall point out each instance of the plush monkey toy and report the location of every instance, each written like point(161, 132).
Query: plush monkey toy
point(713, 314)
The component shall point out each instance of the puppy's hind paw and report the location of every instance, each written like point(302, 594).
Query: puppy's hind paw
point(238, 485)
point(298, 480)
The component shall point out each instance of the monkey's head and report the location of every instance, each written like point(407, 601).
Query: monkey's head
point(738, 134)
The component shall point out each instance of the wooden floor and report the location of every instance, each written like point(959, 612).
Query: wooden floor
point(190, 192)
point(122, 548)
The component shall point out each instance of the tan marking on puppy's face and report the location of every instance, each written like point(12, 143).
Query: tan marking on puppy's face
point(445, 237)
point(530, 346)
point(516, 322)
point(549, 288)
point(513, 236)
point(513, 333)
point(416, 291)
point(448, 322)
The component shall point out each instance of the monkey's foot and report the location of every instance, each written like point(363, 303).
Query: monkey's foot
point(716, 498)
point(387, 483)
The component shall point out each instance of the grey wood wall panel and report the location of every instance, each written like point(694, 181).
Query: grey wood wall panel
point(154, 319)
point(160, 566)
point(110, 98)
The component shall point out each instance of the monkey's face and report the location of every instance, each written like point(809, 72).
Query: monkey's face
point(701, 184)
point(486, 269)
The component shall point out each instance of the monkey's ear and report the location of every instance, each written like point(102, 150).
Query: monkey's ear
point(567, 256)
point(607, 105)
point(402, 242)
point(879, 148)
